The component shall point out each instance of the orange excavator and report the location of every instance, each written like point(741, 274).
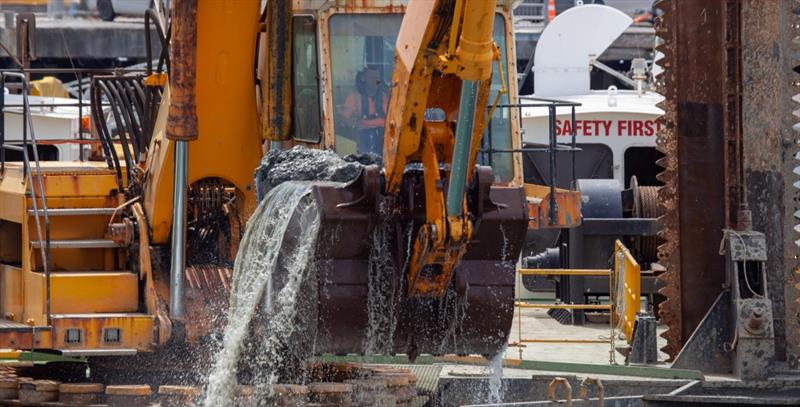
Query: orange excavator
point(134, 251)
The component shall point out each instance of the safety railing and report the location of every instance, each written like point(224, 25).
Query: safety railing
point(623, 303)
point(520, 305)
point(119, 103)
point(553, 148)
point(79, 89)
point(29, 140)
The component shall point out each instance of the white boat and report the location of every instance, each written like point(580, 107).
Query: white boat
point(616, 129)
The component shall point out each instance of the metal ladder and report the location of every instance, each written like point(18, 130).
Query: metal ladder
point(27, 174)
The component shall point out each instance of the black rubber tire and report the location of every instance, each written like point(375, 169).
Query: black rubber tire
point(106, 10)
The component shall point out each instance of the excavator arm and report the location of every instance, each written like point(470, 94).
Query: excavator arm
point(455, 51)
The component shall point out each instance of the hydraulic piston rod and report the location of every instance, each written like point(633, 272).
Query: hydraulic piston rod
point(181, 128)
point(178, 260)
point(474, 56)
point(461, 150)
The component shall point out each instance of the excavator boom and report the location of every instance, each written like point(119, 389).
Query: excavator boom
point(454, 52)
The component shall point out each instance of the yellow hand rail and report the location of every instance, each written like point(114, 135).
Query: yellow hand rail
point(565, 272)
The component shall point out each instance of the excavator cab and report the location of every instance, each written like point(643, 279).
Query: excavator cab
point(330, 105)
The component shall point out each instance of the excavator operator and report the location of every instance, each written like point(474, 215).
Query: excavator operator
point(364, 111)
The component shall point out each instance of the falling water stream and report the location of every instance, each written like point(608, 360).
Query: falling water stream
point(274, 267)
point(260, 255)
point(496, 377)
point(381, 295)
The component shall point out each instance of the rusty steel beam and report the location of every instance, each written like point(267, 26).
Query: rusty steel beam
point(730, 67)
point(701, 141)
point(666, 142)
point(790, 22)
point(768, 28)
point(276, 89)
point(182, 118)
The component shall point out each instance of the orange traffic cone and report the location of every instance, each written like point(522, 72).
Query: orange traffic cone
point(551, 10)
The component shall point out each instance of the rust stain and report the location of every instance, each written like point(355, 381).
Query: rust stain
point(701, 135)
point(668, 252)
point(75, 183)
point(24, 339)
point(182, 119)
point(360, 6)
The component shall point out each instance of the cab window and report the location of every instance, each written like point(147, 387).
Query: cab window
point(305, 81)
point(498, 135)
point(361, 70)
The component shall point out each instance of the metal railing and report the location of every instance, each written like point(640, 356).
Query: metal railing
point(623, 300)
point(79, 89)
point(27, 174)
point(553, 147)
point(610, 307)
point(117, 92)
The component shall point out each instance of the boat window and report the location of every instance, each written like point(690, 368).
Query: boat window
point(498, 134)
point(305, 81)
point(361, 71)
point(641, 163)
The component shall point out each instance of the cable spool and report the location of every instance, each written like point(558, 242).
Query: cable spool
point(645, 205)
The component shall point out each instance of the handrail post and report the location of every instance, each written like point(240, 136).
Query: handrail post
point(26, 167)
point(80, 113)
point(574, 145)
point(178, 261)
point(552, 157)
point(491, 143)
point(46, 254)
point(27, 121)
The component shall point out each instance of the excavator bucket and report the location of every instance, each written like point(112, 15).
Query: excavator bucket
point(360, 263)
